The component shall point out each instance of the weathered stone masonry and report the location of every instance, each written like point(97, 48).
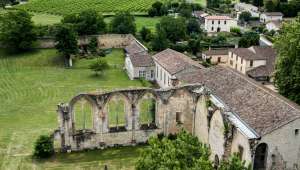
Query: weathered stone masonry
point(188, 104)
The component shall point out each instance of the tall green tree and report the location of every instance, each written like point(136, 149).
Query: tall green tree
point(66, 39)
point(17, 30)
point(87, 22)
point(145, 34)
point(249, 39)
point(270, 6)
point(123, 23)
point(193, 26)
point(183, 152)
point(258, 3)
point(245, 16)
point(174, 28)
point(159, 41)
point(287, 74)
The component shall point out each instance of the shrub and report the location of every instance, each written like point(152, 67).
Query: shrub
point(99, 66)
point(236, 31)
point(44, 147)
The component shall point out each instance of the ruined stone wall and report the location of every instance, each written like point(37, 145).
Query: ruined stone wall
point(175, 108)
point(283, 147)
point(239, 140)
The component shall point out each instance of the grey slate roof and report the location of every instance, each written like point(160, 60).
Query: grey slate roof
point(273, 13)
point(141, 60)
point(174, 62)
point(135, 47)
point(262, 109)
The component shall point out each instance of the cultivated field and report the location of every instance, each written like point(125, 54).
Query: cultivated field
point(31, 85)
point(63, 7)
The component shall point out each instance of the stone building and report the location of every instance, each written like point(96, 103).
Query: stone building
point(138, 63)
point(169, 63)
point(271, 16)
point(244, 7)
point(216, 56)
point(219, 24)
point(257, 62)
point(271, 123)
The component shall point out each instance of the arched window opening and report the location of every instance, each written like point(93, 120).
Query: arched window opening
point(116, 114)
point(147, 107)
point(83, 115)
point(260, 158)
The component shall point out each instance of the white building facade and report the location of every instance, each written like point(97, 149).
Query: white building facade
point(271, 16)
point(241, 7)
point(219, 24)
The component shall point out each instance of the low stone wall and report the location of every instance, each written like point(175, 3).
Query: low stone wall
point(104, 41)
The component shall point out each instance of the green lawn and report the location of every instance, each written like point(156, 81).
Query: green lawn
point(31, 85)
point(45, 19)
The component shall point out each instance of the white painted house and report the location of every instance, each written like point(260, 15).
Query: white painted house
point(138, 63)
point(241, 7)
point(169, 64)
point(271, 16)
point(273, 25)
point(219, 24)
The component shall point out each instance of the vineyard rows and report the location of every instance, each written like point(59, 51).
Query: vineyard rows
point(62, 7)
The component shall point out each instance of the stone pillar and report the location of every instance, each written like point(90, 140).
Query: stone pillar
point(66, 126)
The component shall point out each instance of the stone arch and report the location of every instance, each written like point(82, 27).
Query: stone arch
point(146, 108)
point(201, 120)
point(260, 157)
point(216, 134)
point(88, 115)
point(116, 111)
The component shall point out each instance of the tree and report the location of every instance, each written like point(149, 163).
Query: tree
point(66, 39)
point(194, 45)
point(245, 16)
point(174, 28)
point(270, 6)
point(258, 3)
point(287, 73)
point(93, 45)
point(99, 66)
point(159, 41)
point(145, 34)
point(17, 30)
point(157, 9)
point(183, 151)
point(193, 26)
point(3, 3)
point(43, 147)
point(234, 163)
point(123, 23)
point(87, 22)
point(249, 39)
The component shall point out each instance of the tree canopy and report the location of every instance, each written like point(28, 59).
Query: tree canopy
point(174, 28)
point(249, 39)
point(99, 66)
point(66, 39)
point(287, 74)
point(123, 23)
point(183, 152)
point(17, 30)
point(87, 22)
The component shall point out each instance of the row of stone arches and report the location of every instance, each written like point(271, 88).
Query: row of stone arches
point(116, 112)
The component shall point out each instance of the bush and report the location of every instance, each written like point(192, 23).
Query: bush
point(99, 66)
point(43, 147)
point(236, 31)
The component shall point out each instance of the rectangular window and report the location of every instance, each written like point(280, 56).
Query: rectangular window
point(296, 132)
point(165, 78)
point(241, 68)
point(251, 63)
point(157, 72)
point(213, 22)
point(219, 59)
point(241, 61)
point(142, 73)
point(241, 152)
point(179, 118)
point(225, 22)
point(152, 73)
point(236, 58)
point(160, 74)
point(219, 22)
point(212, 28)
point(169, 81)
point(231, 62)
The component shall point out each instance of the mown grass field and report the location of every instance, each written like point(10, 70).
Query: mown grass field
point(31, 85)
point(63, 7)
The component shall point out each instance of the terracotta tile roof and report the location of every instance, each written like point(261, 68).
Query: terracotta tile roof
point(254, 52)
point(218, 17)
point(273, 13)
point(174, 62)
point(141, 60)
point(262, 109)
point(216, 52)
point(135, 47)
